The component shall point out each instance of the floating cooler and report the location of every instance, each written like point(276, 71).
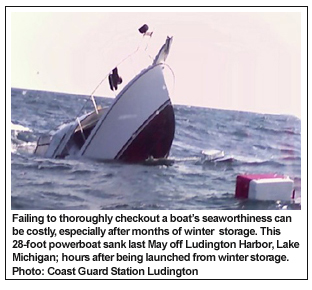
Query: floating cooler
point(264, 187)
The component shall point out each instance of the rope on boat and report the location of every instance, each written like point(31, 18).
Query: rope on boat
point(100, 83)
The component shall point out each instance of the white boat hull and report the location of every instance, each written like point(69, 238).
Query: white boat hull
point(131, 115)
point(138, 126)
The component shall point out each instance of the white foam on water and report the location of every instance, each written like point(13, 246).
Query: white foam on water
point(17, 127)
point(212, 154)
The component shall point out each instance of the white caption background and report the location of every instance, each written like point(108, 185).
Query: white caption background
point(156, 245)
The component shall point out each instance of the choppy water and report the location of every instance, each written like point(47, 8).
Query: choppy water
point(253, 143)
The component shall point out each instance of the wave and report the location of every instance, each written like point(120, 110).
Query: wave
point(273, 131)
point(23, 140)
point(19, 128)
point(191, 178)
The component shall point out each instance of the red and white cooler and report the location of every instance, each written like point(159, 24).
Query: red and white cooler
point(264, 187)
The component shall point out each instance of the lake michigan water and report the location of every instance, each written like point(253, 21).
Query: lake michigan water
point(252, 143)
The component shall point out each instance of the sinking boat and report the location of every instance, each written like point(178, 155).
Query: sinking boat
point(138, 126)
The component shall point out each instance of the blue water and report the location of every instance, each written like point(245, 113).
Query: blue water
point(253, 143)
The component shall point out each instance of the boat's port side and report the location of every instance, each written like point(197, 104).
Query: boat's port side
point(69, 138)
point(153, 139)
point(82, 131)
point(144, 97)
point(43, 145)
point(138, 125)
